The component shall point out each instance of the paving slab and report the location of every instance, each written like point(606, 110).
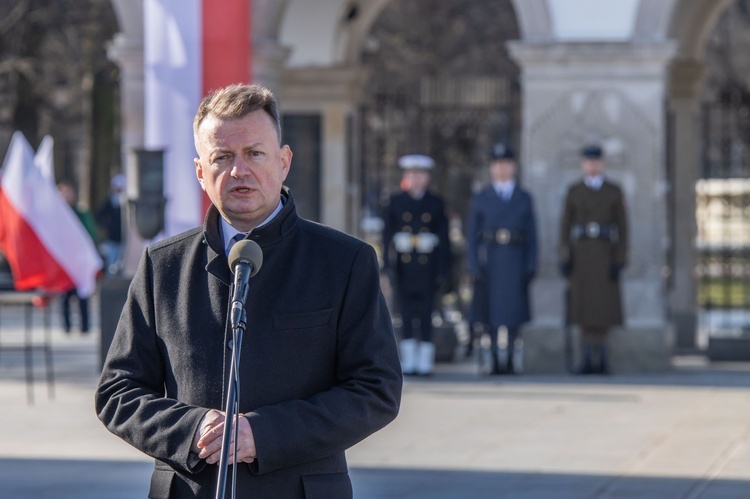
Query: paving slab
point(684, 433)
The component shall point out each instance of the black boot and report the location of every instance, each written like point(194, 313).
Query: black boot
point(603, 367)
point(586, 366)
point(511, 369)
point(495, 363)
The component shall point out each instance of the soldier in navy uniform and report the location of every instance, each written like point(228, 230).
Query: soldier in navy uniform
point(592, 252)
point(416, 257)
point(502, 255)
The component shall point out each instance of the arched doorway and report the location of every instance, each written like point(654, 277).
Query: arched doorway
point(723, 187)
point(441, 83)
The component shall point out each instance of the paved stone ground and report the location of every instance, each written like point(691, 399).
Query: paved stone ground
point(681, 434)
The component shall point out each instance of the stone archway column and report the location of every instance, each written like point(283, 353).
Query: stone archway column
point(332, 93)
point(684, 104)
point(126, 50)
point(615, 94)
point(268, 55)
point(268, 62)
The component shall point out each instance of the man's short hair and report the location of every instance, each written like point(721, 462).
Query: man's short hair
point(237, 101)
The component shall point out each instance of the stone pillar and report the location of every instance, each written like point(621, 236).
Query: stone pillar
point(685, 79)
point(268, 55)
point(126, 50)
point(612, 93)
point(332, 93)
point(268, 62)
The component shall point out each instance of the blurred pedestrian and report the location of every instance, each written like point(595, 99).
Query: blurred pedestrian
point(69, 192)
point(109, 218)
point(416, 257)
point(593, 252)
point(502, 256)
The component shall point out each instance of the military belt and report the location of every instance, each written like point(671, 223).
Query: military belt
point(503, 237)
point(595, 230)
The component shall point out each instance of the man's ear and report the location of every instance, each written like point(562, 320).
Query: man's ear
point(286, 159)
point(199, 172)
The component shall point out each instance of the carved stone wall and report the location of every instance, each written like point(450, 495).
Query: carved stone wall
point(612, 94)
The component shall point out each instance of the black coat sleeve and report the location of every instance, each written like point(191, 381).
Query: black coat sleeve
point(130, 399)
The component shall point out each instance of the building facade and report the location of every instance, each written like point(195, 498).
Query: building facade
point(625, 73)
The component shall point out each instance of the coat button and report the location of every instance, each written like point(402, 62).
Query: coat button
point(230, 344)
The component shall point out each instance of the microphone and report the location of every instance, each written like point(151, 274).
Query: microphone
point(245, 260)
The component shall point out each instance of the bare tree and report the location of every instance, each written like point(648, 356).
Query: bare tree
point(52, 53)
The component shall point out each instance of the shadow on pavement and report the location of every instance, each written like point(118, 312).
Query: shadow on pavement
point(378, 483)
point(86, 479)
point(73, 479)
point(695, 372)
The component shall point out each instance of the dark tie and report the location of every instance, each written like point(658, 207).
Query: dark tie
point(238, 237)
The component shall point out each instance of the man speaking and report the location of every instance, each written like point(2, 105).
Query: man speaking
point(320, 368)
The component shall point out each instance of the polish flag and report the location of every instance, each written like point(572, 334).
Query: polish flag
point(43, 240)
point(191, 47)
point(44, 159)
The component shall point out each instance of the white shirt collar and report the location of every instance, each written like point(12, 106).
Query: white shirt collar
point(503, 187)
point(594, 182)
point(229, 232)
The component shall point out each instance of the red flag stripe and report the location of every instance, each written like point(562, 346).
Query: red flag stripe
point(226, 44)
point(33, 266)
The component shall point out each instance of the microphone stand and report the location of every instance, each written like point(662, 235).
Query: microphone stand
point(231, 423)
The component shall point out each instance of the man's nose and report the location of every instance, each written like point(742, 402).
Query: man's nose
point(241, 167)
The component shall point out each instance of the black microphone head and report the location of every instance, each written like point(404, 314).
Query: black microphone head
point(247, 251)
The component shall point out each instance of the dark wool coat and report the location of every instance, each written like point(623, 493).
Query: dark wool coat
point(594, 298)
point(502, 271)
point(319, 369)
point(415, 272)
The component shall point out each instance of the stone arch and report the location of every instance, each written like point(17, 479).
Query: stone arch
point(690, 24)
point(532, 16)
point(129, 17)
point(448, 97)
point(534, 21)
point(352, 34)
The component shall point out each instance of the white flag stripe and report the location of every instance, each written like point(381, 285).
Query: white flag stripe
point(55, 224)
point(44, 158)
point(173, 91)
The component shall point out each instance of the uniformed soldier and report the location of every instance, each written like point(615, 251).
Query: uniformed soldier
point(592, 251)
point(502, 255)
point(416, 256)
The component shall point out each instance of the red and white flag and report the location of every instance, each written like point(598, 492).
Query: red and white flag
point(191, 47)
point(43, 240)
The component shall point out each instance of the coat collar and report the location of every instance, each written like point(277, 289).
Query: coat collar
point(265, 236)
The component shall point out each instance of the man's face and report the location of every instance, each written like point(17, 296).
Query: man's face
point(592, 166)
point(241, 167)
point(502, 170)
point(68, 194)
point(416, 180)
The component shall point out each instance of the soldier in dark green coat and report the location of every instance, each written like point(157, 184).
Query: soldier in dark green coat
point(593, 252)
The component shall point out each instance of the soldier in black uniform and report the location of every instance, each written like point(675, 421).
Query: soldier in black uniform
point(416, 257)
